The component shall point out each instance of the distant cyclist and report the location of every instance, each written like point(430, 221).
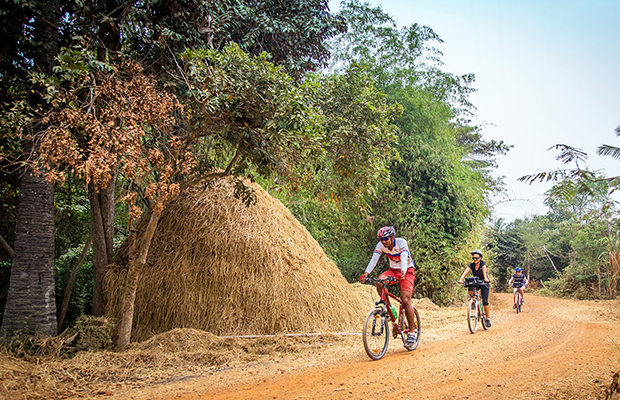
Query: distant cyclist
point(518, 281)
point(479, 268)
point(401, 268)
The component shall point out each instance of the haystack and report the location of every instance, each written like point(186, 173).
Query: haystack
point(219, 266)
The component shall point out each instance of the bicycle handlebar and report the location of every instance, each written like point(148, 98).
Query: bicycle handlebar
point(486, 284)
point(375, 280)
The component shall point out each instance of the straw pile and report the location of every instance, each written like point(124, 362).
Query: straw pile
point(219, 266)
point(171, 356)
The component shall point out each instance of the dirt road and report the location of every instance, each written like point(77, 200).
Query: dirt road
point(554, 349)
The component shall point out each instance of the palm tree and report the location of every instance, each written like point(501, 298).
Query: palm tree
point(31, 304)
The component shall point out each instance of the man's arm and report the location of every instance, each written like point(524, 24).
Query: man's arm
point(374, 259)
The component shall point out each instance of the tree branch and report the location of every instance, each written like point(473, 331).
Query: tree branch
point(547, 254)
point(233, 161)
point(5, 246)
point(69, 288)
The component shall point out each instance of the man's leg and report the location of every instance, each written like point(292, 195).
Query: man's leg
point(405, 297)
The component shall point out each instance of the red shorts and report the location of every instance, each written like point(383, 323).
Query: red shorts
point(407, 283)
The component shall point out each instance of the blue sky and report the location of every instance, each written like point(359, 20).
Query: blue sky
point(547, 72)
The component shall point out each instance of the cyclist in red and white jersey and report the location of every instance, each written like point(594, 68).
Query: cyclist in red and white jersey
point(401, 268)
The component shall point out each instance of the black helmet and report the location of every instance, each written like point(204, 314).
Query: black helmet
point(477, 252)
point(386, 232)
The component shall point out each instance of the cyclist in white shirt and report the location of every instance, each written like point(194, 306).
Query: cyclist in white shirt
point(401, 269)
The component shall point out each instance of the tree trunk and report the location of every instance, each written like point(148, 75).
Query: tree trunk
point(69, 288)
point(30, 303)
point(102, 232)
point(138, 252)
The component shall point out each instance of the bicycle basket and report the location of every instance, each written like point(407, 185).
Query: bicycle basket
point(472, 282)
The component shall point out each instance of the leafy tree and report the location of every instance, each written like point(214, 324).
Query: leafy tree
point(435, 191)
point(153, 33)
point(357, 132)
point(611, 151)
point(239, 109)
point(334, 186)
point(293, 32)
point(570, 180)
point(508, 248)
point(579, 202)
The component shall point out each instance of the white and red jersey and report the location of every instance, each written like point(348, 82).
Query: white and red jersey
point(399, 256)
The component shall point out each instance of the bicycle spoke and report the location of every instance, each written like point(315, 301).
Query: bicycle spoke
point(472, 316)
point(376, 334)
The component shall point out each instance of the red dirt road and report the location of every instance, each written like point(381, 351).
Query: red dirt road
point(554, 349)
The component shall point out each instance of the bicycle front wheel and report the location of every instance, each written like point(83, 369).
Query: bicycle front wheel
point(472, 316)
point(405, 330)
point(518, 302)
point(376, 334)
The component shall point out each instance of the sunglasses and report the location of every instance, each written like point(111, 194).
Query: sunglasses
point(475, 258)
point(385, 239)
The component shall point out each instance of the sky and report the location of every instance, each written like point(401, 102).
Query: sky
point(547, 73)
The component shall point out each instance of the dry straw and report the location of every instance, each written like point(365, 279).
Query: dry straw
point(219, 266)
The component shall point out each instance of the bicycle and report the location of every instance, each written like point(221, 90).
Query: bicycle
point(475, 310)
point(376, 332)
point(518, 297)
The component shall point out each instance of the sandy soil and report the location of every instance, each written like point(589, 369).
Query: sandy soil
point(554, 349)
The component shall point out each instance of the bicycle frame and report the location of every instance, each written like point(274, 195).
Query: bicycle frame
point(479, 315)
point(375, 334)
point(385, 300)
point(518, 298)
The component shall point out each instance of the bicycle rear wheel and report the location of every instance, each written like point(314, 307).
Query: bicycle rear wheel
point(405, 331)
point(472, 316)
point(376, 334)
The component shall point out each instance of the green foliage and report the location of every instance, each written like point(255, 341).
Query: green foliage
point(352, 121)
point(72, 219)
point(245, 106)
point(398, 58)
point(92, 333)
point(508, 247)
point(294, 32)
point(574, 246)
point(575, 283)
point(614, 152)
point(570, 181)
point(583, 216)
point(438, 168)
point(82, 292)
point(357, 136)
